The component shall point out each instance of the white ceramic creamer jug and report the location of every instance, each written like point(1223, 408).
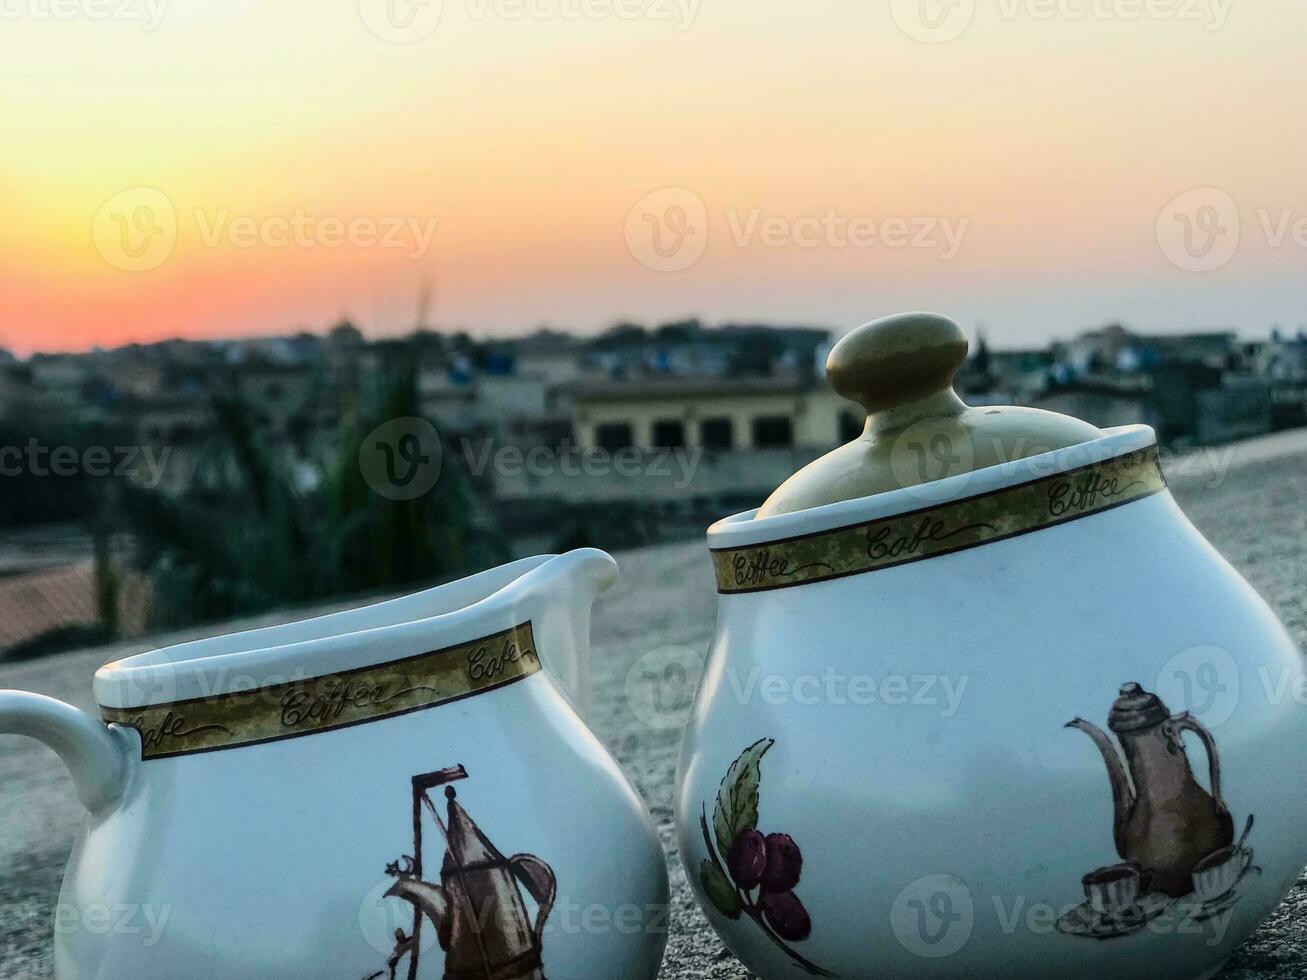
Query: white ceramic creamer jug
point(983, 703)
point(399, 790)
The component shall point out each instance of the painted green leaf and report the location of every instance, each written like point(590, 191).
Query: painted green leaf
point(737, 799)
point(720, 891)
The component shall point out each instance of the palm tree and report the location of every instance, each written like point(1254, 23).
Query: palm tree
point(250, 539)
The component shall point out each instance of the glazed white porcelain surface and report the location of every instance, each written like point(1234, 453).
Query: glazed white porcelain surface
point(945, 811)
point(271, 859)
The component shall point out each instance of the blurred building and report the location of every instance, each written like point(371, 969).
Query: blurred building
point(1202, 388)
point(716, 414)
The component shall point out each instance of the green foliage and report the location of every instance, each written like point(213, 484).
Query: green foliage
point(30, 492)
point(719, 890)
point(737, 798)
point(250, 539)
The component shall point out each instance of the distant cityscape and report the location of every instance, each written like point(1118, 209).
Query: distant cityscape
point(635, 435)
point(682, 385)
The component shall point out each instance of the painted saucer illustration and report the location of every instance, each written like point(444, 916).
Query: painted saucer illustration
point(1175, 836)
point(1201, 909)
point(1085, 920)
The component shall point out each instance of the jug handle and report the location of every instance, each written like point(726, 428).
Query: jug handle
point(539, 880)
point(1187, 723)
point(97, 757)
point(573, 582)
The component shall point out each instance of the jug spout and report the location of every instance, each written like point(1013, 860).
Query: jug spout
point(585, 573)
point(568, 586)
point(96, 757)
point(430, 899)
point(1123, 794)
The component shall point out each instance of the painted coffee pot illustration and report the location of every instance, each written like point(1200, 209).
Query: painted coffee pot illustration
point(478, 910)
point(1165, 822)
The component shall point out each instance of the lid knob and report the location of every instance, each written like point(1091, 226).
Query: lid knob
point(897, 360)
point(901, 370)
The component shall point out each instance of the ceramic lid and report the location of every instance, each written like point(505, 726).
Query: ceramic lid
point(901, 370)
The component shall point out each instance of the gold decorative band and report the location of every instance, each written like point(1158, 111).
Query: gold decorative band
point(940, 530)
point(323, 704)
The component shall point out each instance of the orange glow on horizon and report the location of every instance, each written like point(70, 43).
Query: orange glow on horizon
point(499, 161)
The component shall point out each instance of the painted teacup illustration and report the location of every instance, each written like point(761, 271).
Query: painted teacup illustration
point(1115, 887)
point(1218, 873)
point(1176, 838)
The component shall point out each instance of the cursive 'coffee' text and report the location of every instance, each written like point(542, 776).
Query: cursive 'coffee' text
point(1090, 491)
point(326, 704)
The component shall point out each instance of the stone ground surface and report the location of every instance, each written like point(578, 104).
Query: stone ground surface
point(1248, 499)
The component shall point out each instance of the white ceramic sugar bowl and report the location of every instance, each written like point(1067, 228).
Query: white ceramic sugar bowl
point(400, 790)
point(982, 703)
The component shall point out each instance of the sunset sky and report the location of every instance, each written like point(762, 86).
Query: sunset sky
point(202, 168)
